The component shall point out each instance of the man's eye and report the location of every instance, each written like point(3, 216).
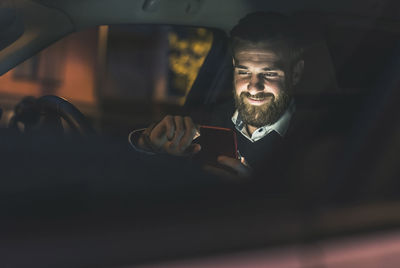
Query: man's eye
point(243, 73)
point(271, 74)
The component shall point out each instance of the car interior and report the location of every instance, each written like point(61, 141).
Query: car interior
point(76, 77)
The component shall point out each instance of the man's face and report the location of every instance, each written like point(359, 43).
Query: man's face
point(262, 86)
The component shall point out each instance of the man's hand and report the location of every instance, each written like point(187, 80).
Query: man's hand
point(239, 169)
point(172, 135)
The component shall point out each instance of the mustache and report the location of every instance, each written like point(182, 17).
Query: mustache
point(261, 95)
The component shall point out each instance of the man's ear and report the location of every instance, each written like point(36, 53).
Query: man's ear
point(297, 72)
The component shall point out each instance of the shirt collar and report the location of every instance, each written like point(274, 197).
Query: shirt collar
point(281, 126)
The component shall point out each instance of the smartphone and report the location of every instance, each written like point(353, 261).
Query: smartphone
point(216, 141)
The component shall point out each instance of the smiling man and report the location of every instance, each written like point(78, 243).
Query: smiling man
point(268, 64)
point(263, 85)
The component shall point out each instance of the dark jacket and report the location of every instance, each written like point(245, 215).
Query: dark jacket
point(300, 159)
point(253, 152)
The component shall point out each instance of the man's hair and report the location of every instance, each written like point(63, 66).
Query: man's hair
point(276, 29)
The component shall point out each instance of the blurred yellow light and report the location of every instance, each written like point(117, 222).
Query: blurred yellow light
point(187, 57)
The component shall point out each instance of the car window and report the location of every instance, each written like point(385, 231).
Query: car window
point(121, 76)
point(108, 202)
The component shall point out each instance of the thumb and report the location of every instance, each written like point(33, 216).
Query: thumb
point(193, 149)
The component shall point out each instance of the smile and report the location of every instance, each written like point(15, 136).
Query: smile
point(257, 101)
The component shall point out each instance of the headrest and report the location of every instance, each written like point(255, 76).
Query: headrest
point(319, 75)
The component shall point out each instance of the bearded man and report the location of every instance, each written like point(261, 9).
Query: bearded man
point(267, 65)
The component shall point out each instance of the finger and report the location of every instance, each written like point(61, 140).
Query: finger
point(159, 133)
point(170, 126)
point(229, 161)
point(244, 162)
point(233, 163)
point(179, 130)
point(192, 149)
point(190, 132)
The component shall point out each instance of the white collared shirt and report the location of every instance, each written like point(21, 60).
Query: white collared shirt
point(281, 126)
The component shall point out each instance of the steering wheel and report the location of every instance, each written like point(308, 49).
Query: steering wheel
point(46, 113)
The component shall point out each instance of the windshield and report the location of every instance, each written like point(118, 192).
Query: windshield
point(121, 76)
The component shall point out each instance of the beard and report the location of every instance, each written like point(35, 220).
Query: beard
point(265, 114)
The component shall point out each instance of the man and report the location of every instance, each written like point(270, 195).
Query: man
point(267, 66)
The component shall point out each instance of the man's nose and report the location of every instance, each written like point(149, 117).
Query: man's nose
point(256, 83)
